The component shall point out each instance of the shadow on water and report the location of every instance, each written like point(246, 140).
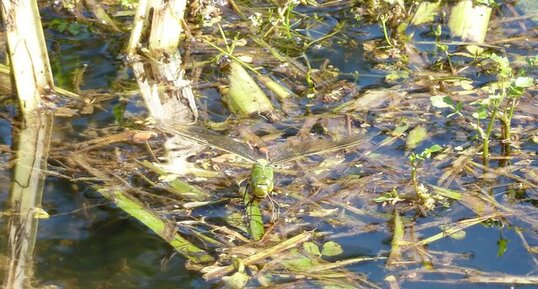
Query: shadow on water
point(88, 243)
point(99, 246)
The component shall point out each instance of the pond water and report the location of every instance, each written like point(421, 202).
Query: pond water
point(89, 243)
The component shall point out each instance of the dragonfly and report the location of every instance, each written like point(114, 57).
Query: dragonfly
point(262, 173)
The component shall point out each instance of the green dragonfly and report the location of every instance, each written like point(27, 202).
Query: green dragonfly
point(261, 177)
point(262, 174)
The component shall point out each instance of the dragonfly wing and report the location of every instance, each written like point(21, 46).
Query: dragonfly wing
point(212, 139)
point(296, 149)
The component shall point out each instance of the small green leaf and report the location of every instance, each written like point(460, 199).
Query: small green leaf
point(441, 101)
point(39, 213)
point(515, 91)
point(390, 197)
point(504, 65)
point(331, 249)
point(481, 113)
point(460, 235)
point(433, 149)
point(474, 49)
point(524, 82)
point(299, 263)
point(311, 248)
point(74, 28)
point(425, 13)
point(450, 232)
point(118, 111)
point(457, 110)
point(502, 244)
point(382, 198)
point(238, 264)
point(438, 30)
point(532, 61)
point(395, 75)
point(447, 193)
point(413, 157)
point(237, 281)
point(416, 136)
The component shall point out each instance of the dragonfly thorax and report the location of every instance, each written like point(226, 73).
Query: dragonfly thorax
point(261, 178)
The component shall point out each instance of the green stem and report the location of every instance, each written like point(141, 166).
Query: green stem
point(385, 32)
point(449, 62)
point(506, 135)
point(414, 168)
point(336, 30)
point(244, 64)
point(487, 134)
point(287, 21)
point(508, 122)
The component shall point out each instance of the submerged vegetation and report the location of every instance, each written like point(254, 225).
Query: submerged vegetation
point(323, 144)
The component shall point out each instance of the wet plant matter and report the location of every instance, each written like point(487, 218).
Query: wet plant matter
point(447, 152)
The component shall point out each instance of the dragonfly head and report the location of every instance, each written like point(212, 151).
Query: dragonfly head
point(261, 178)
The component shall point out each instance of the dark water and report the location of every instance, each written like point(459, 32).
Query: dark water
point(88, 243)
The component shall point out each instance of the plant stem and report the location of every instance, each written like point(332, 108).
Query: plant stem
point(287, 21)
point(508, 125)
point(385, 32)
point(450, 62)
point(414, 167)
point(487, 134)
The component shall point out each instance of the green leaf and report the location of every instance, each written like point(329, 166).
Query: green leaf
point(433, 149)
point(383, 198)
point(501, 61)
point(532, 61)
point(391, 197)
point(414, 157)
point(502, 244)
point(311, 248)
point(238, 264)
point(442, 47)
point(416, 136)
point(61, 27)
point(447, 193)
point(395, 75)
point(425, 13)
point(504, 65)
point(481, 113)
point(441, 101)
point(524, 82)
point(237, 281)
point(331, 249)
point(244, 95)
point(474, 49)
point(460, 235)
point(118, 111)
point(74, 28)
point(515, 91)
point(39, 213)
point(457, 110)
point(299, 263)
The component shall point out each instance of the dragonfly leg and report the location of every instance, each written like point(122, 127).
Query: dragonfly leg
point(275, 209)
